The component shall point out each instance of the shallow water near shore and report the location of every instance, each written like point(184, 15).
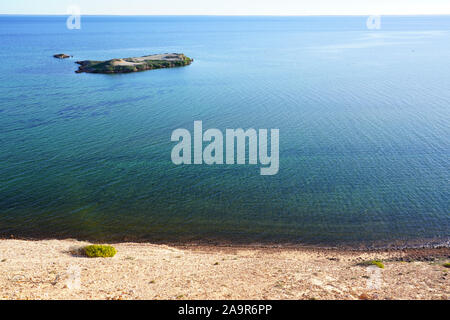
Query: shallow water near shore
point(364, 119)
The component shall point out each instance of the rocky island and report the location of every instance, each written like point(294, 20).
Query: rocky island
point(127, 65)
point(61, 56)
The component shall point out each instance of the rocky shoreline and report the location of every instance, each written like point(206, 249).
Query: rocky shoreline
point(52, 269)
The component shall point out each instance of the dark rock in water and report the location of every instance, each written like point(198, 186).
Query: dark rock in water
point(127, 65)
point(61, 56)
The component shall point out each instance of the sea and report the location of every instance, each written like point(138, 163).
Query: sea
point(363, 114)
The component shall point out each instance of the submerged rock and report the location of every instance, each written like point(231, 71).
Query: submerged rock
point(127, 65)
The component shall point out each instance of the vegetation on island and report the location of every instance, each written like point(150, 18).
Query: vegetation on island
point(100, 251)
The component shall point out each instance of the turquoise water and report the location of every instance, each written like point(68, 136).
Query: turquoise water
point(364, 119)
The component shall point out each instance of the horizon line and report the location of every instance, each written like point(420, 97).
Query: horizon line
point(228, 15)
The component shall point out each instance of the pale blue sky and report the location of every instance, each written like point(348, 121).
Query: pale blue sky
point(228, 7)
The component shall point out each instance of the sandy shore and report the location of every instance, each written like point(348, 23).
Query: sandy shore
point(48, 270)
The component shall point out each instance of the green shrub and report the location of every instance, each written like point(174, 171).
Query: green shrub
point(447, 265)
point(377, 263)
point(96, 251)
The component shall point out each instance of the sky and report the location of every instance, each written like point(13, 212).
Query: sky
point(228, 7)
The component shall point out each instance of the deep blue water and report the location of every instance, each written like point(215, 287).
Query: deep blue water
point(364, 119)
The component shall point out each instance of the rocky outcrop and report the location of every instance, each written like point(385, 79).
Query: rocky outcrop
point(61, 56)
point(127, 65)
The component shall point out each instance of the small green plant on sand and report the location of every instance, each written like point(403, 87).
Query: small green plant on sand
point(377, 263)
point(446, 265)
point(100, 251)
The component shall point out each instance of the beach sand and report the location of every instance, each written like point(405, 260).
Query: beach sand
point(49, 270)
